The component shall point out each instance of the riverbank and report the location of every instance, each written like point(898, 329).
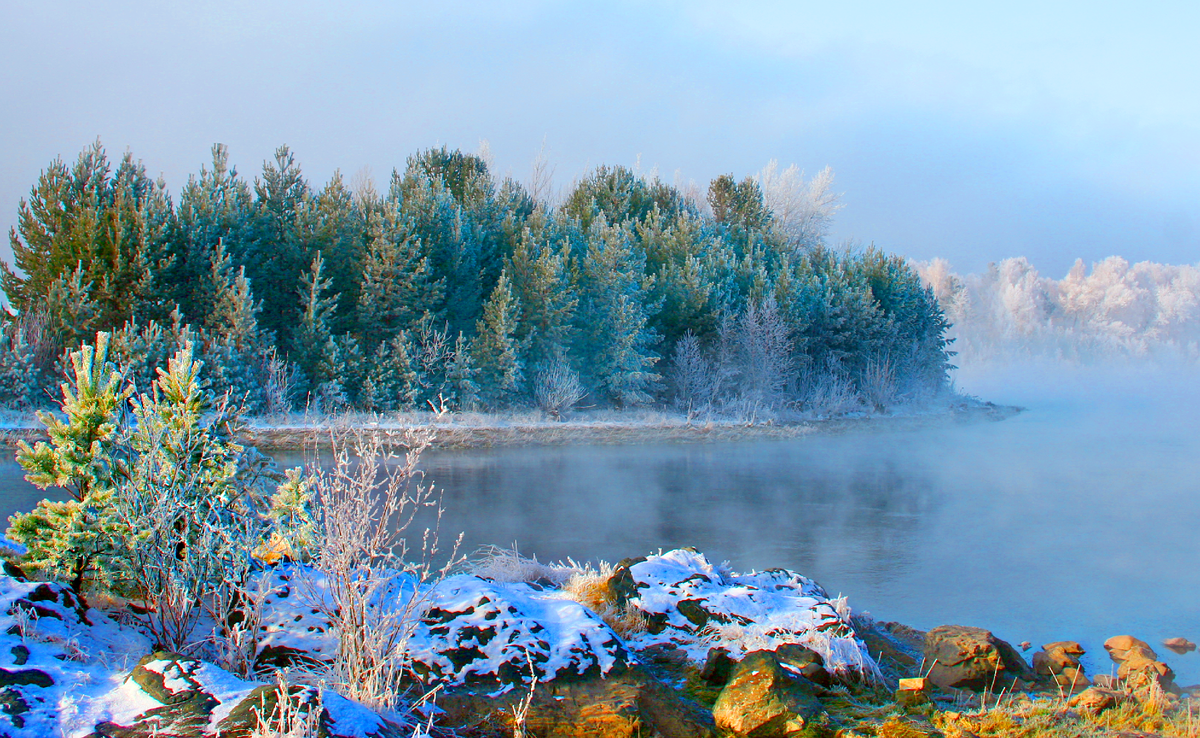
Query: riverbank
point(604, 428)
point(667, 644)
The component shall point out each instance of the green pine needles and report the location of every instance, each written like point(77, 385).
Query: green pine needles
point(166, 506)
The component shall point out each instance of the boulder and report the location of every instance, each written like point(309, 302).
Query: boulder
point(1095, 700)
point(1124, 647)
point(625, 705)
point(689, 603)
point(962, 657)
point(1059, 662)
point(1179, 645)
point(1138, 665)
point(763, 699)
point(478, 630)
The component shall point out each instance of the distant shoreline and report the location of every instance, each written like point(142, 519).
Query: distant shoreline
point(492, 431)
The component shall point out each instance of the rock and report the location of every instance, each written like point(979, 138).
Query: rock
point(1024, 645)
point(962, 657)
point(244, 718)
point(1179, 645)
point(31, 677)
point(1095, 700)
point(1123, 647)
point(626, 705)
point(479, 630)
point(896, 647)
point(717, 666)
point(762, 700)
point(688, 602)
point(1059, 662)
point(14, 705)
point(1138, 666)
point(913, 692)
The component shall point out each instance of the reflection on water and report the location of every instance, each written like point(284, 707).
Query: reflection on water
point(1076, 520)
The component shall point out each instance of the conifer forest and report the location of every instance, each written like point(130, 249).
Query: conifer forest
point(457, 290)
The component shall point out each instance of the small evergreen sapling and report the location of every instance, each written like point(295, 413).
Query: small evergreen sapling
point(74, 539)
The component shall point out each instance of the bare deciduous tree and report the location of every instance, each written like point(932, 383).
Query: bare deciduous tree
point(803, 210)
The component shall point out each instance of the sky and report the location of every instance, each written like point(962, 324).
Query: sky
point(968, 131)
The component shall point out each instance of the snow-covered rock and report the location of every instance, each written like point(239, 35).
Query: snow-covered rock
point(692, 605)
point(477, 629)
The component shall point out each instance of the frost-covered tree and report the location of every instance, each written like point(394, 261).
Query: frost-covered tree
point(398, 286)
point(801, 210)
point(495, 350)
point(76, 539)
point(615, 339)
point(315, 350)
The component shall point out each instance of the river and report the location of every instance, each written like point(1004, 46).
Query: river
point(1078, 519)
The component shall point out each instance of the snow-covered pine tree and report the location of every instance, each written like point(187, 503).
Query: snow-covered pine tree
point(495, 349)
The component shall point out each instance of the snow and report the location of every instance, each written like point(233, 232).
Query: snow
point(744, 612)
point(511, 627)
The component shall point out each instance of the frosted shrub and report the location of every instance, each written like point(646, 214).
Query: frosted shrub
point(557, 388)
point(362, 512)
point(879, 383)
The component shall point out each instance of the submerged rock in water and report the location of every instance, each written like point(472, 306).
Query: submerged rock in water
point(1179, 645)
point(962, 657)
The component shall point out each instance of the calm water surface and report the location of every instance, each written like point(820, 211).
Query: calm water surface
point(1078, 519)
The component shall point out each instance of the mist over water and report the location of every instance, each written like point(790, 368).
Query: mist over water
point(1076, 519)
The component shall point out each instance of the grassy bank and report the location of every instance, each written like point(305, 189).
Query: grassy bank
point(533, 428)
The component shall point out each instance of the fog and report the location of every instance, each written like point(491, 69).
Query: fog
point(969, 133)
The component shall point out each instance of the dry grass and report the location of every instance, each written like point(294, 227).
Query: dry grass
point(1020, 716)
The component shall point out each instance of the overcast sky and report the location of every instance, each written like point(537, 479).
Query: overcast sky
point(1054, 131)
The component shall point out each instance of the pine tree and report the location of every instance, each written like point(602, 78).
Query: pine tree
point(315, 351)
point(19, 370)
point(74, 539)
point(615, 337)
point(495, 349)
point(333, 223)
point(234, 315)
point(276, 256)
point(542, 286)
point(460, 376)
point(215, 208)
point(391, 384)
point(398, 286)
point(112, 229)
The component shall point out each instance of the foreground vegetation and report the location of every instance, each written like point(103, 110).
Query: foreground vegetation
point(453, 291)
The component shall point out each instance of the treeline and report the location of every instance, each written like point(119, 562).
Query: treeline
point(1113, 309)
point(453, 290)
